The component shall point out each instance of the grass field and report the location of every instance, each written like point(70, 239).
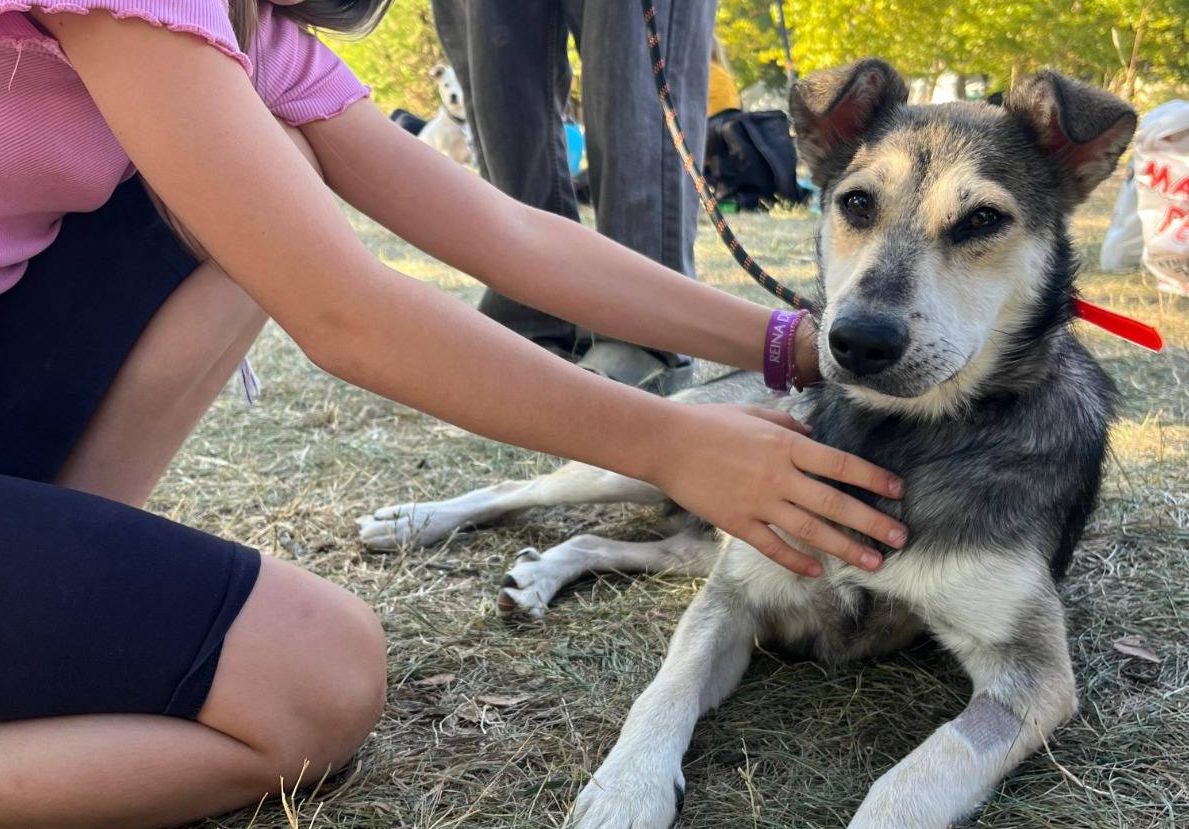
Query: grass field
point(493, 724)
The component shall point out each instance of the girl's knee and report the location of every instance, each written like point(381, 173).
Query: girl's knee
point(340, 695)
point(303, 676)
point(355, 681)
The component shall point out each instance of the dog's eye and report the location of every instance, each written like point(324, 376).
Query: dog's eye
point(982, 221)
point(858, 208)
point(984, 217)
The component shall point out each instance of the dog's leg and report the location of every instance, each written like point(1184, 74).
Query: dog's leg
point(536, 577)
point(1013, 645)
point(640, 785)
point(428, 523)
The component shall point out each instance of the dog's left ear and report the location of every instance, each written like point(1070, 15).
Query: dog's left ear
point(833, 108)
point(1081, 129)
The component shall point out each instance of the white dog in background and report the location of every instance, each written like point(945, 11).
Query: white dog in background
point(448, 131)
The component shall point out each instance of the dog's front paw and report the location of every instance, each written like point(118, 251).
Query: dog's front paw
point(391, 528)
point(527, 587)
point(531, 584)
point(629, 796)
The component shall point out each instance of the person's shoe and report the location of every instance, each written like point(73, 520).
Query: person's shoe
point(635, 366)
point(570, 349)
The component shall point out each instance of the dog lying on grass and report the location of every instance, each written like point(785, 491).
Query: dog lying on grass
point(948, 357)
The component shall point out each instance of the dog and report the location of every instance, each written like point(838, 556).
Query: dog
point(947, 353)
point(448, 131)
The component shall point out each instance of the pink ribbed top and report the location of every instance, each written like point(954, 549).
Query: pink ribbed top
point(57, 154)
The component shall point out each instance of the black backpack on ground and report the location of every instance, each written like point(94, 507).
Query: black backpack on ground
point(750, 159)
point(407, 120)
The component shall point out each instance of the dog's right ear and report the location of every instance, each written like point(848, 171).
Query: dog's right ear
point(1080, 129)
point(833, 108)
point(437, 71)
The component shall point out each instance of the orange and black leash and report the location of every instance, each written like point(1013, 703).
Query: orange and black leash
point(709, 203)
point(1121, 326)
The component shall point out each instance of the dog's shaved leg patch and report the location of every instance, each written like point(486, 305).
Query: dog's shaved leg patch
point(988, 724)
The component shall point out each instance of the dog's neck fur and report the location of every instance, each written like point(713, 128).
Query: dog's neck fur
point(1025, 360)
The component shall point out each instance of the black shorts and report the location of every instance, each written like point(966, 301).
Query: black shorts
point(104, 609)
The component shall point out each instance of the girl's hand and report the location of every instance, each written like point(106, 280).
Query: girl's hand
point(744, 469)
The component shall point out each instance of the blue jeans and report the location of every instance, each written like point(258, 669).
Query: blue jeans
point(510, 56)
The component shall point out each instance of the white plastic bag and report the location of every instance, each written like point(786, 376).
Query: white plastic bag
point(1123, 245)
point(1161, 161)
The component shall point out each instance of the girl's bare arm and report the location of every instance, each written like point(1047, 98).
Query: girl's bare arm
point(535, 257)
point(190, 120)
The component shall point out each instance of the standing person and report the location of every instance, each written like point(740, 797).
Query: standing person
point(512, 61)
point(723, 94)
point(153, 674)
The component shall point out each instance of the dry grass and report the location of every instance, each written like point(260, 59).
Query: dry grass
point(796, 745)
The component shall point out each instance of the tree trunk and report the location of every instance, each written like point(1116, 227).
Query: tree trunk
point(1133, 64)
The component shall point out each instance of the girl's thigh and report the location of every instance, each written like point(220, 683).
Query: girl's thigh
point(105, 609)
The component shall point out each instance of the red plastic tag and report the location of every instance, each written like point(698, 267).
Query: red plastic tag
point(1131, 330)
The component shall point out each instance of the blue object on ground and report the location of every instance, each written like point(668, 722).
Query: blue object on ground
point(815, 207)
point(575, 146)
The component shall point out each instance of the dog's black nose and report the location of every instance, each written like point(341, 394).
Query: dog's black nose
point(867, 346)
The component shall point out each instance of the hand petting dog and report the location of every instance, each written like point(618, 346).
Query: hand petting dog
point(745, 464)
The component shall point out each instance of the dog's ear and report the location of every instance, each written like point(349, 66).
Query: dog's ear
point(437, 71)
point(833, 108)
point(1080, 129)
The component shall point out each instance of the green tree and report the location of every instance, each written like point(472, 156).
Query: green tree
point(1116, 43)
point(395, 59)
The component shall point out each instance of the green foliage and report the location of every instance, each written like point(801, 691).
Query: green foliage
point(1091, 39)
point(395, 59)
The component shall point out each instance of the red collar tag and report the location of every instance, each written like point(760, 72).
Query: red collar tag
point(1134, 331)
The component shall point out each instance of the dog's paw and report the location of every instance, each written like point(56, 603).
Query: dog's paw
point(529, 586)
point(535, 578)
point(391, 528)
point(629, 796)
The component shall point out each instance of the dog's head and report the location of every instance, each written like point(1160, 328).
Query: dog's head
point(449, 89)
point(941, 224)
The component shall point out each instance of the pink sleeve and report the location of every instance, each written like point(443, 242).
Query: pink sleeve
point(299, 79)
point(207, 19)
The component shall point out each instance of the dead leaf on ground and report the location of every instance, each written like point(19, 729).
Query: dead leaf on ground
point(435, 680)
point(1135, 646)
point(502, 701)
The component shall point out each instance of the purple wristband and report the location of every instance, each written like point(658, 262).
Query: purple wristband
point(776, 349)
point(793, 380)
